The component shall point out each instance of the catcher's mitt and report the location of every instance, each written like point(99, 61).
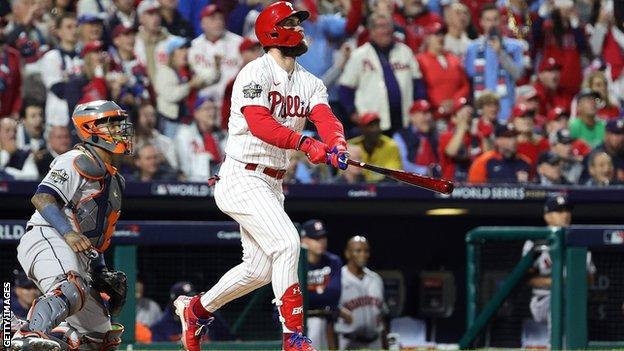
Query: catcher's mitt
point(115, 285)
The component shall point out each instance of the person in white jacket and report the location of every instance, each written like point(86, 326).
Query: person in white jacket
point(15, 163)
point(173, 86)
point(200, 144)
point(215, 51)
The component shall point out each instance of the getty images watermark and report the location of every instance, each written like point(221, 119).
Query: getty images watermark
point(6, 315)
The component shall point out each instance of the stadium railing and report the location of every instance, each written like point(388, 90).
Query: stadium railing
point(583, 316)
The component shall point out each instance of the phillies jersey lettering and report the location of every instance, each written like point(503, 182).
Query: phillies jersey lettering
point(289, 98)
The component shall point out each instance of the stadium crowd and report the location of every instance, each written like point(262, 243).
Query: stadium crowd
point(476, 91)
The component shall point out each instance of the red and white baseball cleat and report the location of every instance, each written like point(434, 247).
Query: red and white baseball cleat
point(192, 327)
point(297, 342)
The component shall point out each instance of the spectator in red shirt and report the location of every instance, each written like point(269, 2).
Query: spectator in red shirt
point(607, 108)
point(418, 143)
point(414, 18)
point(443, 73)
point(487, 106)
point(562, 38)
point(458, 147)
point(503, 164)
point(548, 88)
point(529, 144)
point(250, 50)
point(10, 80)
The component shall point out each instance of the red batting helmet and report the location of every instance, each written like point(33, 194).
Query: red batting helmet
point(269, 32)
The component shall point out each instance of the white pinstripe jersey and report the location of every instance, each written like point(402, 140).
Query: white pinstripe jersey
point(263, 82)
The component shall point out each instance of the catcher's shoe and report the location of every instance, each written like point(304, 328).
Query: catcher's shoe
point(33, 341)
point(297, 342)
point(192, 327)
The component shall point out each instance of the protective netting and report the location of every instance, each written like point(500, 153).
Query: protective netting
point(606, 297)
point(162, 266)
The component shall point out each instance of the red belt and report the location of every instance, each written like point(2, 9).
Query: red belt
point(273, 173)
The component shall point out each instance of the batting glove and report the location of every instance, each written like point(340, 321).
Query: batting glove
point(315, 150)
point(338, 157)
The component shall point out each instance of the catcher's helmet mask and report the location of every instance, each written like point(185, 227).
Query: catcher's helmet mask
point(104, 124)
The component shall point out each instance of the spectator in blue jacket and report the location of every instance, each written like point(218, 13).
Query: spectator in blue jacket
point(494, 62)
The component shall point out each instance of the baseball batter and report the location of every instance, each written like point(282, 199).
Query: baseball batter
point(77, 206)
point(271, 99)
point(363, 296)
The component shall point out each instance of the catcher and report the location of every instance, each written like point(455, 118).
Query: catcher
point(77, 206)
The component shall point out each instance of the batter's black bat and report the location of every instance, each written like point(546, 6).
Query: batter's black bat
point(439, 185)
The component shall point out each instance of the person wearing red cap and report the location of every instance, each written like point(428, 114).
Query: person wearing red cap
point(503, 164)
point(152, 38)
point(443, 73)
point(173, 20)
point(127, 77)
point(458, 147)
point(215, 52)
point(558, 33)
point(250, 50)
point(530, 144)
point(548, 87)
point(377, 149)
point(418, 143)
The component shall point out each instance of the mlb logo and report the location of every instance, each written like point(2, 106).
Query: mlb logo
point(614, 237)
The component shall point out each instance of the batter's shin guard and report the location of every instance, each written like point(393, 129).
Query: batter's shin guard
point(54, 307)
point(290, 308)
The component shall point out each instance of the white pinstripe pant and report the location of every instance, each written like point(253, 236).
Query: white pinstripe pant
point(269, 238)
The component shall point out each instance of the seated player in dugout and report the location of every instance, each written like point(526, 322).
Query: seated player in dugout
point(363, 296)
point(324, 285)
point(557, 213)
point(77, 206)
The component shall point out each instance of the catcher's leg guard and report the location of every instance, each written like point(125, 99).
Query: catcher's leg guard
point(66, 336)
point(51, 309)
point(108, 341)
